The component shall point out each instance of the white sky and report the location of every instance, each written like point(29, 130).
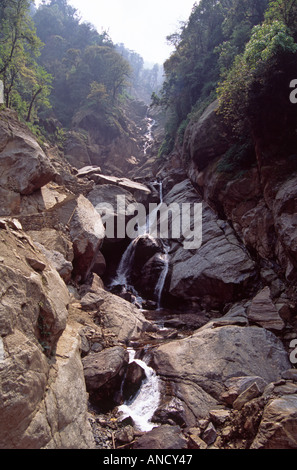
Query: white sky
point(142, 25)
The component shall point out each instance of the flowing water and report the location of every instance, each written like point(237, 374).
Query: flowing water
point(149, 135)
point(122, 277)
point(142, 407)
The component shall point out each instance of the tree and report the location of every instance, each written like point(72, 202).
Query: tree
point(284, 11)
point(19, 48)
point(255, 95)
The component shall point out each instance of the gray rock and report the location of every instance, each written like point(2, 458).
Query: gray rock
point(210, 434)
point(24, 166)
point(201, 364)
point(163, 437)
point(87, 234)
point(250, 393)
point(217, 271)
point(263, 312)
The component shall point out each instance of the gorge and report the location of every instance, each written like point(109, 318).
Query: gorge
point(113, 343)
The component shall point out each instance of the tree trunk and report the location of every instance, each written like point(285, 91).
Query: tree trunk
point(31, 104)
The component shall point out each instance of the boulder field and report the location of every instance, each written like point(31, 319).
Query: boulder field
point(224, 361)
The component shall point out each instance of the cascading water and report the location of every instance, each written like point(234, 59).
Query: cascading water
point(161, 281)
point(142, 407)
point(126, 263)
point(149, 135)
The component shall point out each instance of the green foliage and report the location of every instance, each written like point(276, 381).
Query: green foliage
point(252, 72)
point(87, 70)
point(239, 157)
point(205, 49)
point(26, 84)
point(284, 11)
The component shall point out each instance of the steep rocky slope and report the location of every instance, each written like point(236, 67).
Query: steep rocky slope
point(223, 361)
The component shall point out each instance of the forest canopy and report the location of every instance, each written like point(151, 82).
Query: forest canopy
point(52, 64)
point(232, 50)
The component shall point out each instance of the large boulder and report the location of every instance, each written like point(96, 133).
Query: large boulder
point(62, 418)
point(44, 401)
point(111, 202)
point(220, 270)
point(122, 320)
point(87, 234)
point(34, 298)
point(104, 373)
point(162, 437)
point(200, 366)
point(24, 166)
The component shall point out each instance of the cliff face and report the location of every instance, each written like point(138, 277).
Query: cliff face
point(258, 200)
point(64, 337)
point(50, 296)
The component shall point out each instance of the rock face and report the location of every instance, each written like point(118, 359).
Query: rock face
point(87, 233)
point(33, 313)
point(104, 373)
point(205, 140)
point(217, 272)
point(24, 166)
point(200, 365)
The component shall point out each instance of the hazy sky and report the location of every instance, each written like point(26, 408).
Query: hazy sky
point(142, 25)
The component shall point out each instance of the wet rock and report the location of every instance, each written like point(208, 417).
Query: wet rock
point(216, 273)
point(134, 376)
point(104, 372)
point(170, 412)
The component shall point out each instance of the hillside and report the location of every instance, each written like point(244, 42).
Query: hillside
point(115, 336)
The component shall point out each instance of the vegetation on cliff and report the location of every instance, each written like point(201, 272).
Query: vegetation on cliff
point(53, 65)
point(242, 52)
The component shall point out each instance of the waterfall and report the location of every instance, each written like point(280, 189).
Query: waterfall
point(149, 135)
point(161, 281)
point(126, 263)
point(141, 408)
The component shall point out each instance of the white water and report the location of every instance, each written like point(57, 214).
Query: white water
point(161, 281)
point(142, 407)
point(149, 135)
point(126, 263)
